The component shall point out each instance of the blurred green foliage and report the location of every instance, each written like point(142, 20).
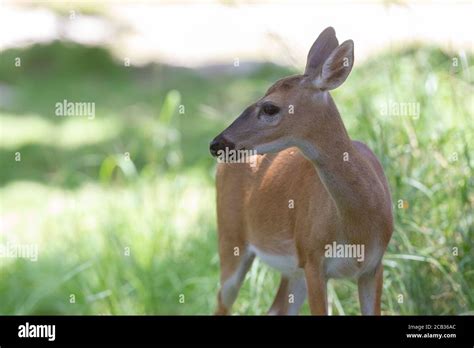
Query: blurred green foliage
point(122, 206)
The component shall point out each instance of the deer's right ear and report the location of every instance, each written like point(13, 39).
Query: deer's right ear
point(336, 68)
point(320, 51)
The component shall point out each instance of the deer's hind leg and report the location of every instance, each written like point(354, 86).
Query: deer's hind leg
point(370, 291)
point(290, 296)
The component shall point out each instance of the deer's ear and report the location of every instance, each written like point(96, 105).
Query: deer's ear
point(337, 67)
point(320, 51)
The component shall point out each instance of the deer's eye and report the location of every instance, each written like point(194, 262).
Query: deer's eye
point(270, 109)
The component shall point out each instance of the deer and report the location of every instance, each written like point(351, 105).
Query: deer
point(311, 187)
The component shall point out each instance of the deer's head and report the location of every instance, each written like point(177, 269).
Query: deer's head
point(293, 106)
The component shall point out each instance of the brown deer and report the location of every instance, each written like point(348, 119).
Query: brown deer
point(313, 198)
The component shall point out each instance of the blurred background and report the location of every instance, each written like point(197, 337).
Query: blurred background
point(121, 204)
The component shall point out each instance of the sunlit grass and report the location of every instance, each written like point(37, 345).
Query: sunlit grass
point(70, 133)
point(97, 232)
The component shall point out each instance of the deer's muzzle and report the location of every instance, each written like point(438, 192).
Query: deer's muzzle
point(220, 143)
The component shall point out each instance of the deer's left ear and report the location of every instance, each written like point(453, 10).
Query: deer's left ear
point(336, 68)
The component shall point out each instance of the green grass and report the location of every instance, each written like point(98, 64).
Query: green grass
point(131, 237)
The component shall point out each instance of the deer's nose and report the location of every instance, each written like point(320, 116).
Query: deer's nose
point(220, 143)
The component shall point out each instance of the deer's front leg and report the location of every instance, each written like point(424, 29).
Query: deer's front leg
point(317, 284)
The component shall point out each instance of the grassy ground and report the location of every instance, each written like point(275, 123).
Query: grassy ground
point(137, 236)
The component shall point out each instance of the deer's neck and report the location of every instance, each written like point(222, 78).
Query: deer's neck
point(340, 166)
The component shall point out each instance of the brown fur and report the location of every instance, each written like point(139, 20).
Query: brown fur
point(334, 200)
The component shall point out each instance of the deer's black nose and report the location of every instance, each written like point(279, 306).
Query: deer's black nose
point(220, 143)
point(214, 147)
